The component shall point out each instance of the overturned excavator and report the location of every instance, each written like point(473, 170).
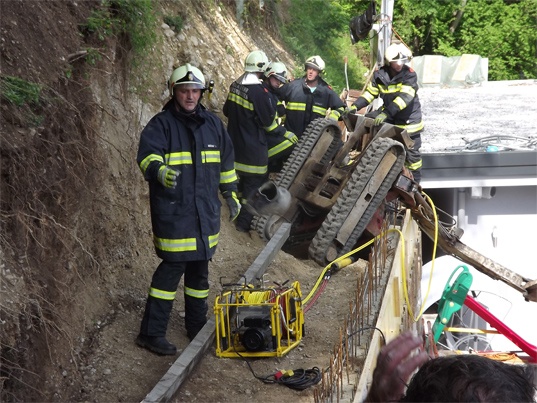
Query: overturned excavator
point(336, 192)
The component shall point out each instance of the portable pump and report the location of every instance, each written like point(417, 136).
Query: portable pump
point(258, 322)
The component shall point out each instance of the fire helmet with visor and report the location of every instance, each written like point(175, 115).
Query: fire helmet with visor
point(278, 71)
point(397, 52)
point(187, 74)
point(315, 62)
point(256, 62)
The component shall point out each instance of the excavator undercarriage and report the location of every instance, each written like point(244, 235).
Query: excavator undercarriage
point(340, 190)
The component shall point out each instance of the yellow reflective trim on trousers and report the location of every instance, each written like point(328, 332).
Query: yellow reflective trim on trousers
point(400, 103)
point(319, 110)
point(251, 169)
point(278, 148)
point(412, 128)
point(228, 176)
point(161, 294)
point(240, 101)
point(191, 292)
point(296, 106)
point(210, 156)
point(414, 165)
point(179, 158)
point(148, 160)
point(175, 245)
point(213, 240)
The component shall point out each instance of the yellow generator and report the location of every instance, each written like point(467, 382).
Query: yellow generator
point(258, 322)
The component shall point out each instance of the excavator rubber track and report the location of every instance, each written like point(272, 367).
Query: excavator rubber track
point(379, 165)
point(325, 131)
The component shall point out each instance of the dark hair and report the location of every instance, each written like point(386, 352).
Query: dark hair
point(471, 378)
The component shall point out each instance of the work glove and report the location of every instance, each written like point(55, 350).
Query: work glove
point(292, 137)
point(168, 176)
point(348, 111)
point(233, 204)
point(381, 117)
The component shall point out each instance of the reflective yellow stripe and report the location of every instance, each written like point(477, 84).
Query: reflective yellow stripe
point(175, 245)
point(252, 169)
point(334, 115)
point(407, 89)
point(296, 106)
point(273, 126)
point(179, 158)
point(161, 294)
point(240, 101)
point(371, 92)
point(148, 160)
point(191, 292)
point(400, 103)
point(278, 148)
point(210, 156)
point(228, 176)
point(213, 240)
point(412, 128)
point(319, 110)
point(415, 165)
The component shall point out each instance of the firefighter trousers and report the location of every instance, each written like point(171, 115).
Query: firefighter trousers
point(162, 294)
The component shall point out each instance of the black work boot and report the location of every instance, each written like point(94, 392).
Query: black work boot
point(156, 344)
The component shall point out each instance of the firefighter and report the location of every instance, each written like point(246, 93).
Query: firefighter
point(309, 98)
point(280, 141)
point(186, 155)
point(397, 85)
point(250, 109)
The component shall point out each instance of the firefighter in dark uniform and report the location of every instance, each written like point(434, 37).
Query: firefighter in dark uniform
point(397, 85)
point(280, 141)
point(250, 109)
point(186, 155)
point(309, 98)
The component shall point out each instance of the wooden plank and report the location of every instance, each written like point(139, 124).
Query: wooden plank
point(165, 389)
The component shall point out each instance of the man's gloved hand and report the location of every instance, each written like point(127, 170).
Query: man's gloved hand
point(168, 176)
point(381, 117)
point(292, 137)
point(233, 204)
point(348, 111)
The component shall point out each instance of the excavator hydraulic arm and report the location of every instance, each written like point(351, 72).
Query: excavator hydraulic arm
point(448, 241)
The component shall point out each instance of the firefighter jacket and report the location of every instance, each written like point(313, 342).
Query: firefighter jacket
point(277, 135)
point(249, 109)
point(186, 219)
point(303, 106)
point(400, 97)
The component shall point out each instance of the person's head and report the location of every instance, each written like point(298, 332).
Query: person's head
point(396, 55)
point(471, 378)
point(314, 67)
point(187, 85)
point(256, 62)
point(276, 74)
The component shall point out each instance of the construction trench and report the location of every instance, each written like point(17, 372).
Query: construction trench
point(336, 192)
point(382, 296)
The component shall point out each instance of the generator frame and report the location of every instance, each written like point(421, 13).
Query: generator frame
point(283, 305)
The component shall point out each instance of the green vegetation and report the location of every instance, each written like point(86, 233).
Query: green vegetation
point(19, 92)
point(175, 22)
point(24, 98)
point(501, 30)
point(133, 19)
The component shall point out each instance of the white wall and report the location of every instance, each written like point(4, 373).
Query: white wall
point(511, 215)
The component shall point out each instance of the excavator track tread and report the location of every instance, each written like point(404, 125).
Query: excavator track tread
point(296, 161)
point(356, 185)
